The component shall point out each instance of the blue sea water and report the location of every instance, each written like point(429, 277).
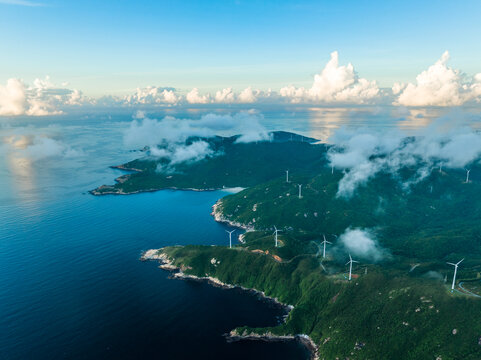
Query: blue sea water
point(71, 283)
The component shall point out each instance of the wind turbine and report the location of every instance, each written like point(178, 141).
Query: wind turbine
point(324, 243)
point(230, 237)
point(275, 234)
point(441, 167)
point(287, 176)
point(332, 169)
point(350, 265)
point(467, 175)
point(300, 191)
point(455, 271)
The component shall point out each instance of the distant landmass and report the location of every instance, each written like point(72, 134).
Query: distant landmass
point(398, 303)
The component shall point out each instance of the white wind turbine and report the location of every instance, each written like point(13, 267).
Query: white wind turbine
point(300, 191)
point(287, 176)
point(350, 265)
point(467, 175)
point(275, 235)
point(230, 237)
point(455, 271)
point(324, 243)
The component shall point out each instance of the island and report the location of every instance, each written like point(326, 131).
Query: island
point(396, 299)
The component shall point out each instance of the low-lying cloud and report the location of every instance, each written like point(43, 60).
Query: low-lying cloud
point(362, 244)
point(36, 147)
point(167, 137)
point(363, 153)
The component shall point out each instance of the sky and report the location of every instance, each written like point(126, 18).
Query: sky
point(113, 47)
point(411, 53)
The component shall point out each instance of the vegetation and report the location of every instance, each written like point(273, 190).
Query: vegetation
point(232, 165)
point(398, 308)
point(379, 315)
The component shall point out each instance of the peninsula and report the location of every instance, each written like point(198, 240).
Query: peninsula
point(398, 303)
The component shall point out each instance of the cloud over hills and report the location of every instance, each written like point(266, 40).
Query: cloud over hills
point(363, 153)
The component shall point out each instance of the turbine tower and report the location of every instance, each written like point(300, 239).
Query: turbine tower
point(300, 191)
point(230, 238)
point(275, 235)
point(467, 175)
point(324, 243)
point(350, 266)
point(287, 176)
point(455, 271)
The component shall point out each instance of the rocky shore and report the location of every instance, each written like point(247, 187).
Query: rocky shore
point(220, 217)
point(110, 190)
point(269, 337)
point(178, 273)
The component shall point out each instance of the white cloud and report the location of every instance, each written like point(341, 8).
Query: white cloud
point(363, 245)
point(363, 153)
point(247, 96)
point(12, 98)
point(225, 96)
point(152, 95)
point(178, 153)
point(193, 97)
point(439, 85)
point(152, 132)
point(36, 147)
point(42, 98)
point(333, 85)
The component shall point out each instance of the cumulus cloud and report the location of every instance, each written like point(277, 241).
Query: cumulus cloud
point(40, 99)
point(362, 244)
point(12, 98)
point(439, 85)
point(193, 97)
point(247, 96)
point(152, 95)
point(225, 96)
point(334, 84)
point(363, 153)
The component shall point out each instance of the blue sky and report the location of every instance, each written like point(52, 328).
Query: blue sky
point(112, 47)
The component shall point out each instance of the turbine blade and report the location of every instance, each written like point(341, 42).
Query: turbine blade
point(451, 263)
point(459, 262)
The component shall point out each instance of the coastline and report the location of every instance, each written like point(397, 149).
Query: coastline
point(219, 217)
point(95, 191)
point(178, 273)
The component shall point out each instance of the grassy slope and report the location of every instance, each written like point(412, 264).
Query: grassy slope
point(415, 223)
point(417, 226)
point(235, 165)
point(377, 309)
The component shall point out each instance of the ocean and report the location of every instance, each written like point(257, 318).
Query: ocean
point(71, 283)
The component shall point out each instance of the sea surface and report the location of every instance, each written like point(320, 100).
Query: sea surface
point(71, 283)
